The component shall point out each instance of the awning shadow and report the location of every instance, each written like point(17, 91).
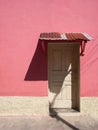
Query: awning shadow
point(38, 67)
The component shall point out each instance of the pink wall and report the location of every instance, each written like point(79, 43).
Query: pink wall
point(21, 22)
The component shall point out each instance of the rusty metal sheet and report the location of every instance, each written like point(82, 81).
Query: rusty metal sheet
point(65, 36)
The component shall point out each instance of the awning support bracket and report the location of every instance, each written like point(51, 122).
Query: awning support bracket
point(43, 46)
point(82, 48)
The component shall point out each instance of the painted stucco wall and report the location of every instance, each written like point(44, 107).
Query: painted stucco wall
point(22, 61)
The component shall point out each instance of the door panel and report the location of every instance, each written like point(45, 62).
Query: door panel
point(57, 60)
point(62, 70)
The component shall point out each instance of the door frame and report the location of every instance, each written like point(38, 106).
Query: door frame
point(78, 67)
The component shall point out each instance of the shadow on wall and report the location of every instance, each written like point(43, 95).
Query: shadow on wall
point(38, 67)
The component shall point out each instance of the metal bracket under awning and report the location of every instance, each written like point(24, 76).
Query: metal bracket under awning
point(82, 48)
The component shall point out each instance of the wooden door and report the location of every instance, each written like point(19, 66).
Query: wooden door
point(63, 70)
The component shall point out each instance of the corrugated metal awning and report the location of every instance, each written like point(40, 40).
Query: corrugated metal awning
point(82, 38)
point(65, 36)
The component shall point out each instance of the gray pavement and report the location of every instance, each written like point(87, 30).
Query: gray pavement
point(80, 122)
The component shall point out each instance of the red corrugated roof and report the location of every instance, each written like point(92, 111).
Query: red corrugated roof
point(65, 36)
point(50, 35)
point(76, 36)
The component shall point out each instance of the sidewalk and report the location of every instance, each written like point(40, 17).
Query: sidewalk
point(81, 122)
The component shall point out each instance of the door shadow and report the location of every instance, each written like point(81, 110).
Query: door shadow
point(38, 67)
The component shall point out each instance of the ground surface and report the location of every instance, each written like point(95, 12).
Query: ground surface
point(80, 122)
